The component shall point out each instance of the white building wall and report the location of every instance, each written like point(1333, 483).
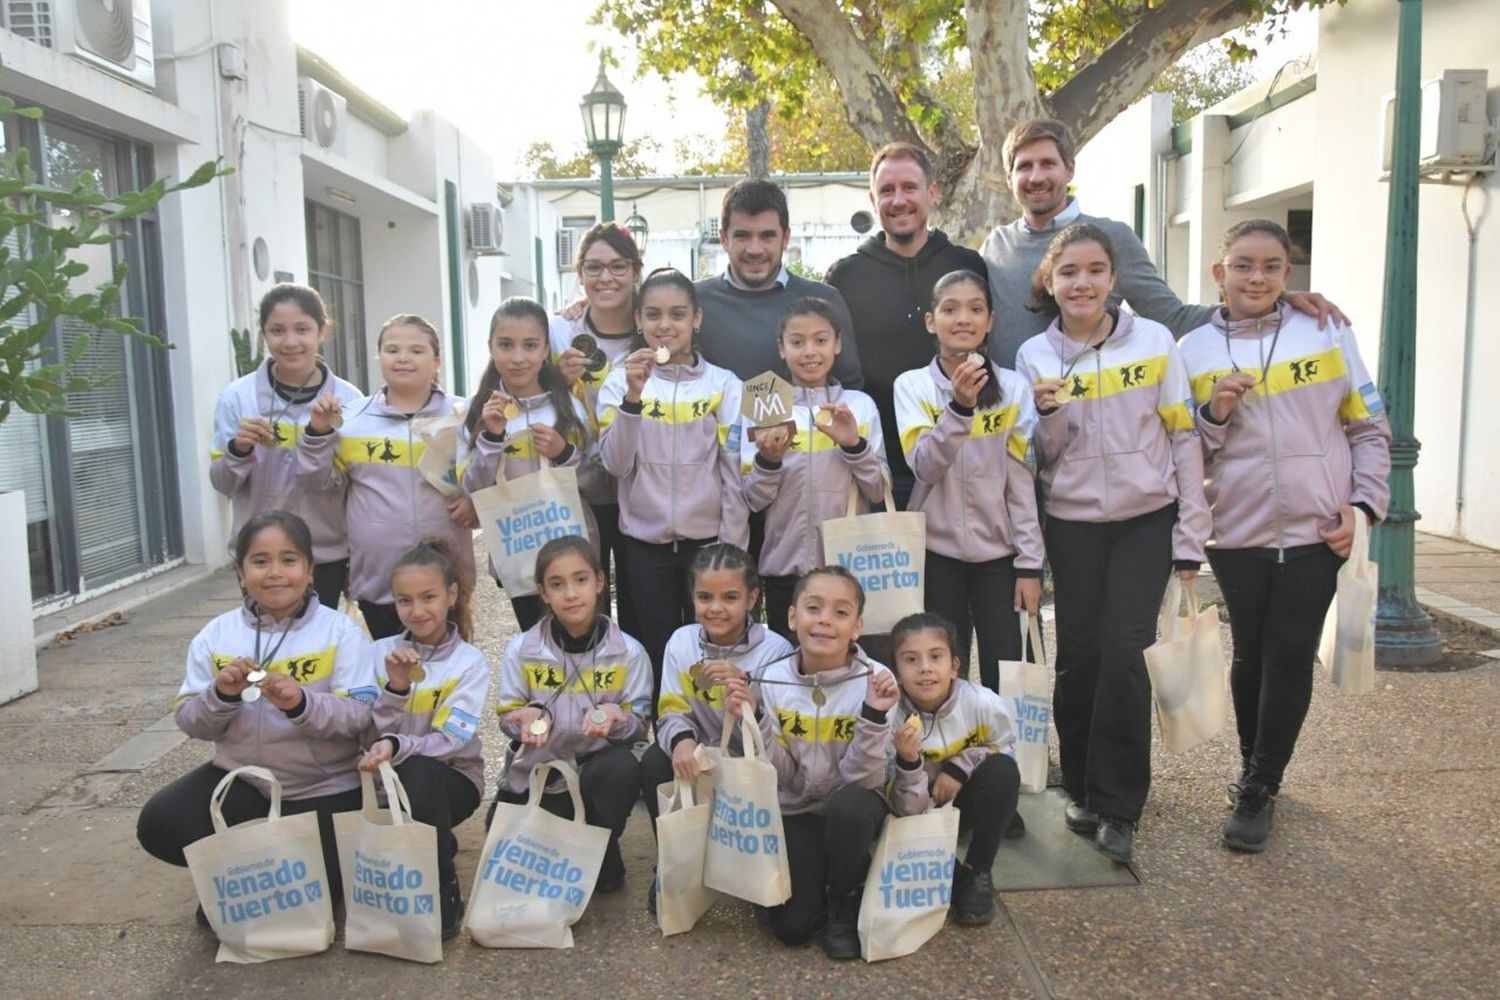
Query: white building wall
point(1356, 58)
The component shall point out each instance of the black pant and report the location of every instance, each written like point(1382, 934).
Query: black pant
point(828, 855)
point(610, 782)
point(177, 815)
point(988, 801)
point(1108, 583)
point(977, 596)
point(381, 619)
point(328, 580)
point(612, 556)
point(528, 609)
point(660, 592)
point(778, 598)
point(443, 797)
point(1276, 613)
point(656, 769)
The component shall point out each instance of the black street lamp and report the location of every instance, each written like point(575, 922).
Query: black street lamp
point(603, 111)
point(636, 223)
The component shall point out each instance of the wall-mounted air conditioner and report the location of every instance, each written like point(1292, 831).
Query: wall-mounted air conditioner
point(114, 35)
point(567, 247)
point(1455, 129)
point(486, 228)
point(323, 115)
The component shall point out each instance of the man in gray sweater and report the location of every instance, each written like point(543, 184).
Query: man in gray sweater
point(742, 307)
point(1039, 158)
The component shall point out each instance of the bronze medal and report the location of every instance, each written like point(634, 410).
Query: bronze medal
point(584, 344)
point(818, 697)
point(336, 419)
point(696, 671)
point(597, 362)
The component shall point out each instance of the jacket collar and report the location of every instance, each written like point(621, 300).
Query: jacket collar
point(681, 373)
point(443, 649)
point(436, 405)
point(537, 643)
point(251, 616)
point(1067, 348)
point(1251, 329)
point(831, 393)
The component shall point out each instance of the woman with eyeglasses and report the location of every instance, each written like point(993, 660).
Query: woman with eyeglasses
point(1295, 448)
point(585, 350)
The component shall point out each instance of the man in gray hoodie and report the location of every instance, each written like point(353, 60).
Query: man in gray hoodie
point(1039, 160)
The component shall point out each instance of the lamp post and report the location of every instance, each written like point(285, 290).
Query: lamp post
point(636, 223)
point(603, 111)
point(1404, 634)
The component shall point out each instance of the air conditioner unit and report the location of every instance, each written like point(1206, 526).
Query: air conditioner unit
point(486, 228)
point(1454, 128)
point(710, 228)
point(113, 35)
point(323, 115)
point(567, 248)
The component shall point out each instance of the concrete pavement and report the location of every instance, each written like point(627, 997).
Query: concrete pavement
point(1382, 877)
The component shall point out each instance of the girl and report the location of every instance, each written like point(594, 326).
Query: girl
point(801, 474)
point(574, 687)
point(258, 421)
point(823, 714)
point(725, 642)
point(587, 348)
point(391, 507)
point(1294, 439)
point(666, 418)
point(545, 422)
point(1122, 485)
point(433, 687)
point(963, 738)
point(282, 682)
point(966, 428)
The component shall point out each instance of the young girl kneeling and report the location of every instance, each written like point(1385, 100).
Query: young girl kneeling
point(433, 687)
point(824, 714)
point(282, 682)
point(962, 736)
point(574, 687)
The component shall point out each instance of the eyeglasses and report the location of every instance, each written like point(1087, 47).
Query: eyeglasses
point(1271, 268)
point(619, 267)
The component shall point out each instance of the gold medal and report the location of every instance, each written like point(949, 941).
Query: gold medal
point(914, 723)
point(336, 419)
point(818, 697)
point(511, 411)
point(539, 726)
point(599, 717)
point(417, 674)
point(663, 355)
point(824, 417)
point(1059, 397)
point(250, 694)
point(696, 671)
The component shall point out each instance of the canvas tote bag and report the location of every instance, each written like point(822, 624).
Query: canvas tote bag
point(746, 854)
point(1348, 647)
point(1189, 676)
point(886, 552)
point(521, 515)
point(681, 842)
point(908, 890)
point(440, 451)
point(1030, 693)
point(262, 883)
point(391, 886)
point(537, 871)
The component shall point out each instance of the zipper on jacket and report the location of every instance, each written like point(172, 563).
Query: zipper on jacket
point(1275, 457)
point(1099, 419)
point(807, 492)
point(672, 522)
point(416, 531)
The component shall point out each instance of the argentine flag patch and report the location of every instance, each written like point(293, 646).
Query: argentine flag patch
point(461, 724)
point(1371, 397)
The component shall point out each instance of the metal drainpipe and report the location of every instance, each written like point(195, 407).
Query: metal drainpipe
point(455, 290)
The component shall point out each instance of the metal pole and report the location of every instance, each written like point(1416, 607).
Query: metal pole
point(606, 189)
point(1404, 634)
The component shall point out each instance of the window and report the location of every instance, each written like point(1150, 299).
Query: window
point(335, 269)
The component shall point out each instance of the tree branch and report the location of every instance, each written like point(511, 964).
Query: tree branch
point(1126, 70)
point(1004, 89)
point(875, 110)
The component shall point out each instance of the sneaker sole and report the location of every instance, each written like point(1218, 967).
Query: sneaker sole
point(1244, 846)
point(840, 956)
point(973, 919)
point(1084, 829)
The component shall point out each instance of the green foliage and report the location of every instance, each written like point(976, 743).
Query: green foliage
point(39, 264)
point(249, 350)
point(803, 270)
point(1203, 78)
point(638, 158)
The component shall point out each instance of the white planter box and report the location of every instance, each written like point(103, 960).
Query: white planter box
point(17, 644)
